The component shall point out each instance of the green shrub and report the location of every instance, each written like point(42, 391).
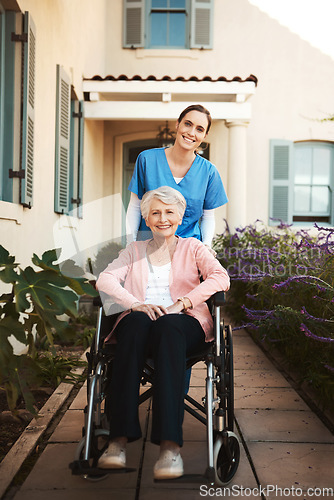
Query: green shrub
point(283, 291)
point(33, 310)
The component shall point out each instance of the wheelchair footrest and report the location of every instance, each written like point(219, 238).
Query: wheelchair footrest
point(82, 468)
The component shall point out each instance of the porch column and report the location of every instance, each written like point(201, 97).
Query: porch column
point(237, 173)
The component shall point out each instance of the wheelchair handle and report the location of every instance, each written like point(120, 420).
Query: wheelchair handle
point(97, 302)
point(219, 299)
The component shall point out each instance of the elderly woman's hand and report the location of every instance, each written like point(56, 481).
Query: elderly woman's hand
point(153, 311)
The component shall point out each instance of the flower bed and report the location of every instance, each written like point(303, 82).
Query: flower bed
point(283, 292)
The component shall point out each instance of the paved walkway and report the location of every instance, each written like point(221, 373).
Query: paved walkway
point(285, 448)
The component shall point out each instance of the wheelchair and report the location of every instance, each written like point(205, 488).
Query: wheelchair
point(215, 411)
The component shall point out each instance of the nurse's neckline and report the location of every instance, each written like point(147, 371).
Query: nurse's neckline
point(175, 168)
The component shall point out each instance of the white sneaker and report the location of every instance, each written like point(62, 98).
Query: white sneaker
point(113, 458)
point(169, 466)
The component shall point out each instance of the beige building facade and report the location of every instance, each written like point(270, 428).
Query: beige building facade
point(103, 86)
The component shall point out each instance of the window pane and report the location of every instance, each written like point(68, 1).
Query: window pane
point(302, 202)
point(159, 3)
point(321, 166)
point(303, 165)
point(320, 199)
point(177, 4)
point(177, 30)
point(158, 29)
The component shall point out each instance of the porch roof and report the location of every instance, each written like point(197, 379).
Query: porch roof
point(152, 98)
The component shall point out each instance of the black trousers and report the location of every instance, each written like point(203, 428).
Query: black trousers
point(169, 340)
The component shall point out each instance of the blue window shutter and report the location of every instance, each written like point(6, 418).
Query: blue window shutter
point(8, 82)
point(76, 158)
point(133, 19)
point(2, 66)
point(28, 111)
point(281, 181)
point(62, 153)
point(201, 33)
point(73, 157)
point(80, 158)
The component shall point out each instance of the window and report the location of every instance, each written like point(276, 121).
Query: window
point(168, 24)
point(302, 181)
point(17, 104)
point(69, 148)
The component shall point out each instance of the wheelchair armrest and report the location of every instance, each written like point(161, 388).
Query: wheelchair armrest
point(218, 299)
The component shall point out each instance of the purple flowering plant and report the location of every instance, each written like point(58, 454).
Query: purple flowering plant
point(282, 290)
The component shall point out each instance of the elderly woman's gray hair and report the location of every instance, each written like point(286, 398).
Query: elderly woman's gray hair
point(167, 195)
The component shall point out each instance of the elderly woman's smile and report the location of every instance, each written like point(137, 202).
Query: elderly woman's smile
point(163, 218)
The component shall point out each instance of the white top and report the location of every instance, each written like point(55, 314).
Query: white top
point(157, 291)
point(178, 179)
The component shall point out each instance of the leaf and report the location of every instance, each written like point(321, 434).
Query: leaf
point(10, 326)
point(6, 358)
point(68, 270)
point(7, 262)
point(46, 290)
point(9, 308)
point(12, 394)
point(5, 258)
point(81, 287)
point(48, 257)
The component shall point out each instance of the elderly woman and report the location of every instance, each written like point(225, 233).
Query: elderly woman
point(157, 282)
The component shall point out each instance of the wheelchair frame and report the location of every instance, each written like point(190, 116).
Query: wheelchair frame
point(216, 410)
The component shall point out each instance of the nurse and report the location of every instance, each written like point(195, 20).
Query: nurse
point(181, 168)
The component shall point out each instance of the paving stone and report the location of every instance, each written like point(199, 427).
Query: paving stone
point(164, 493)
point(52, 472)
point(80, 400)
point(301, 465)
point(268, 398)
point(199, 366)
point(244, 362)
point(78, 494)
point(259, 378)
point(193, 429)
point(247, 348)
point(280, 425)
point(198, 377)
point(69, 428)
point(197, 393)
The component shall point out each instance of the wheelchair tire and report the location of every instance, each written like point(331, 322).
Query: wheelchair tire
point(99, 435)
point(226, 457)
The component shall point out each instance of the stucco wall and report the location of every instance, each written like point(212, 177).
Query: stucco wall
point(294, 89)
point(71, 34)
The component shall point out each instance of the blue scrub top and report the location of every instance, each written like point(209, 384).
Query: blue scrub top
point(202, 187)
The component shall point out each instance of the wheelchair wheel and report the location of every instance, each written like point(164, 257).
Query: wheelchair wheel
point(99, 441)
point(226, 456)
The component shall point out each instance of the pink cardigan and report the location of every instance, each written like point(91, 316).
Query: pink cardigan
point(125, 279)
